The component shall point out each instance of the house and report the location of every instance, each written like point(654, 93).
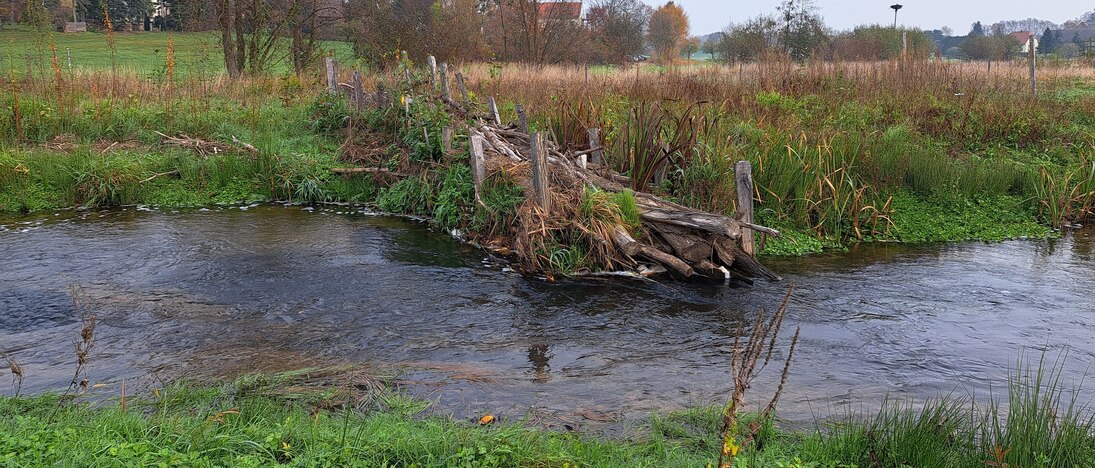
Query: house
point(559, 11)
point(1023, 38)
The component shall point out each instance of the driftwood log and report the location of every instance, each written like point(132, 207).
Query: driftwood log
point(683, 240)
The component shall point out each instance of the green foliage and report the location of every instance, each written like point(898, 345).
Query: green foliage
point(959, 217)
point(455, 198)
point(329, 113)
point(411, 196)
point(502, 196)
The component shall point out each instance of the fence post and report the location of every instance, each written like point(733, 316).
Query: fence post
point(445, 82)
point(522, 119)
point(594, 142)
point(381, 100)
point(332, 75)
point(743, 178)
point(904, 44)
point(359, 92)
point(433, 71)
point(446, 140)
point(1033, 57)
point(540, 171)
point(478, 164)
point(493, 106)
point(463, 89)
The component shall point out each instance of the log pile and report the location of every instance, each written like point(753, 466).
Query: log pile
point(672, 237)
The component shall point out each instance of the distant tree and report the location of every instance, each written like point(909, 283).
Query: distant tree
point(618, 28)
point(667, 31)
point(451, 31)
point(516, 30)
point(121, 12)
point(1049, 42)
point(691, 46)
point(747, 41)
point(1067, 50)
point(990, 47)
point(977, 29)
point(881, 43)
point(947, 31)
point(803, 30)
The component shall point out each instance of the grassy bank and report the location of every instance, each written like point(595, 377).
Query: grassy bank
point(842, 153)
point(288, 419)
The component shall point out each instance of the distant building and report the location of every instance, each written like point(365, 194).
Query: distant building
point(560, 11)
point(1023, 37)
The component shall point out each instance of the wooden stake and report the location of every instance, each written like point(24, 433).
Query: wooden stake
point(433, 71)
point(381, 99)
point(460, 85)
point(522, 119)
point(444, 74)
point(1033, 57)
point(595, 142)
point(540, 171)
point(493, 106)
point(478, 164)
point(446, 140)
point(332, 75)
point(743, 177)
point(359, 91)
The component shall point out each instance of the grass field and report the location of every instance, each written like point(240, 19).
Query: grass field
point(143, 53)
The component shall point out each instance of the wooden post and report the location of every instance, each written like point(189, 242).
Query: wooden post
point(332, 75)
point(407, 76)
point(1033, 57)
point(68, 52)
point(407, 109)
point(359, 92)
point(595, 141)
point(904, 44)
point(540, 171)
point(444, 75)
point(522, 119)
point(463, 89)
point(743, 178)
point(493, 106)
point(446, 140)
point(381, 99)
point(433, 71)
point(478, 164)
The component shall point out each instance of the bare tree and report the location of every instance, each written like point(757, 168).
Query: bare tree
point(618, 28)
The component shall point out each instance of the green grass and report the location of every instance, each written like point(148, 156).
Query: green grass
point(304, 418)
point(145, 53)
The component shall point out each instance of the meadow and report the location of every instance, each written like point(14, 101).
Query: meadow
point(915, 151)
point(843, 152)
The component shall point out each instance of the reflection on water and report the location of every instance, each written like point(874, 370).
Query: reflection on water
point(221, 292)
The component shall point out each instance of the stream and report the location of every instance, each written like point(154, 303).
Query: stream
point(219, 292)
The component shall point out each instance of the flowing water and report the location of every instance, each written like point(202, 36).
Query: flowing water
point(222, 292)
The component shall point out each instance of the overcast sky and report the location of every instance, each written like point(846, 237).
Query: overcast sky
point(708, 16)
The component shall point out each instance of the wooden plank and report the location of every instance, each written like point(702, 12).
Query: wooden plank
point(381, 96)
point(540, 170)
point(743, 178)
point(595, 142)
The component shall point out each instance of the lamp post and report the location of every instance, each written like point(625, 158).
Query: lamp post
point(895, 7)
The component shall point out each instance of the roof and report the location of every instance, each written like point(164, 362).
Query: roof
point(560, 10)
point(1022, 36)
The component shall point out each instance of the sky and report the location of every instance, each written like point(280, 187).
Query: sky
point(708, 16)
